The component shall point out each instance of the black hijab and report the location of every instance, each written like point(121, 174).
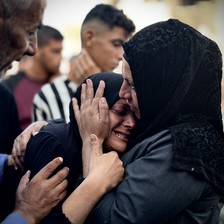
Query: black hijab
point(113, 83)
point(177, 75)
point(179, 70)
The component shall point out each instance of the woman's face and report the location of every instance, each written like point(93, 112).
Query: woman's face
point(121, 124)
point(127, 90)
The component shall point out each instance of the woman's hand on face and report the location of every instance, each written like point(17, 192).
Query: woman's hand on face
point(93, 115)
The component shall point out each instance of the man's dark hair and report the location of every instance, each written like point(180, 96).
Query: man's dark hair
point(111, 17)
point(47, 33)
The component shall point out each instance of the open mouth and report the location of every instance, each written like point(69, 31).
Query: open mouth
point(121, 136)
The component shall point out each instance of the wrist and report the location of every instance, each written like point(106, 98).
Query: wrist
point(10, 159)
point(27, 216)
point(97, 187)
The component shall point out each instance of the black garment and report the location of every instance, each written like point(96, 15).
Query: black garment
point(64, 140)
point(9, 121)
point(154, 192)
point(183, 77)
point(177, 75)
point(9, 130)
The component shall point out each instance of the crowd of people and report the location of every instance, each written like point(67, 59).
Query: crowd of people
point(144, 146)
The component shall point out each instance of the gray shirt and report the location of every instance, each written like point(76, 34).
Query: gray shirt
point(154, 192)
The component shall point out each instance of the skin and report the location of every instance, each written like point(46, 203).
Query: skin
point(19, 34)
point(46, 62)
point(35, 198)
point(101, 50)
point(50, 56)
point(105, 172)
point(121, 120)
point(127, 90)
point(105, 47)
point(108, 125)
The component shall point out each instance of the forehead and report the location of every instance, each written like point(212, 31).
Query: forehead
point(117, 33)
point(126, 71)
point(121, 102)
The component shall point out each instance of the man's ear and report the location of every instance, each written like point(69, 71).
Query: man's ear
point(89, 37)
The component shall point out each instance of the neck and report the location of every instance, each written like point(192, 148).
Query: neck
point(38, 73)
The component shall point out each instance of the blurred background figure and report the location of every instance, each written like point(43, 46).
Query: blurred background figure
point(104, 30)
point(25, 63)
point(40, 70)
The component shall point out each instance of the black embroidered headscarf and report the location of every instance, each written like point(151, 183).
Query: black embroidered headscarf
point(177, 75)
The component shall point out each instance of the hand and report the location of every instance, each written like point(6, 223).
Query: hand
point(93, 115)
point(106, 169)
point(35, 198)
point(19, 146)
point(84, 67)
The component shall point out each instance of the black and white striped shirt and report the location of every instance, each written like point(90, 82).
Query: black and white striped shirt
point(52, 101)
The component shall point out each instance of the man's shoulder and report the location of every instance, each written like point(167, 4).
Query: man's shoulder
point(13, 80)
point(61, 80)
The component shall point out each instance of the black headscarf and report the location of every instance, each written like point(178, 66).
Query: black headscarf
point(113, 83)
point(179, 70)
point(177, 75)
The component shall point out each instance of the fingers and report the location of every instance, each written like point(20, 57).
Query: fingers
point(46, 171)
point(103, 110)
point(60, 190)
point(24, 181)
point(89, 91)
point(100, 89)
point(83, 94)
point(76, 109)
point(96, 148)
point(18, 153)
point(59, 177)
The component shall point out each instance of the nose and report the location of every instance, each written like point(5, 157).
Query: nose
point(120, 53)
point(32, 47)
point(129, 121)
point(125, 92)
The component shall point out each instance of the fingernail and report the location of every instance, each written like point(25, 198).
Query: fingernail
point(61, 159)
point(34, 133)
point(103, 100)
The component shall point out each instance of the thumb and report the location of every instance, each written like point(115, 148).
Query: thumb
point(96, 148)
point(24, 181)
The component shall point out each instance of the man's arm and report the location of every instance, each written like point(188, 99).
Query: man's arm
point(3, 163)
point(14, 218)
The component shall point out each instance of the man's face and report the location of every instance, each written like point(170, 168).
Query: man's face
point(127, 90)
point(106, 48)
point(50, 56)
point(19, 34)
